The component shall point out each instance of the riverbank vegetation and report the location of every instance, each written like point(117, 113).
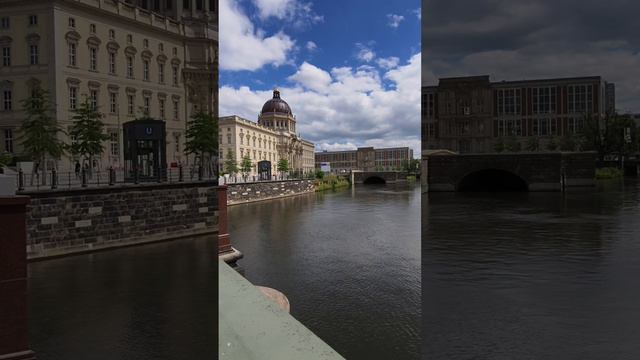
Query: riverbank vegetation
point(331, 182)
point(609, 173)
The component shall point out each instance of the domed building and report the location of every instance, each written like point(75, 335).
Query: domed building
point(272, 138)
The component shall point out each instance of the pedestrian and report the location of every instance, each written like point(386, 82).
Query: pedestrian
point(77, 168)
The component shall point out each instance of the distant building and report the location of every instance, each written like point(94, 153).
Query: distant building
point(469, 114)
point(128, 57)
point(272, 138)
point(365, 159)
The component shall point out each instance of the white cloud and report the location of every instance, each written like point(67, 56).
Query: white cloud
point(243, 47)
point(295, 12)
point(365, 53)
point(311, 46)
point(344, 107)
point(418, 13)
point(394, 20)
point(311, 77)
point(388, 63)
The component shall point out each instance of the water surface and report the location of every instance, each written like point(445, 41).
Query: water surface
point(154, 301)
point(532, 275)
point(349, 262)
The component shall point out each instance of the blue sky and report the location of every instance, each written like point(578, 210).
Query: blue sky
point(350, 70)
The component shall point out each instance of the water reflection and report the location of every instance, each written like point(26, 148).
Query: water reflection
point(532, 275)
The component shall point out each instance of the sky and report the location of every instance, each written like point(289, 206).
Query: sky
point(524, 39)
point(349, 70)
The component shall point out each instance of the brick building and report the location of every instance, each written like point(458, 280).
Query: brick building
point(365, 159)
point(469, 114)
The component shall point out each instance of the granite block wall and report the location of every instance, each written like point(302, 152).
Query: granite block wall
point(68, 221)
point(249, 192)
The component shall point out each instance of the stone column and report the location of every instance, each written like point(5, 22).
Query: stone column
point(14, 337)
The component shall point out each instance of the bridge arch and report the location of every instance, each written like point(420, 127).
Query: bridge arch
point(374, 179)
point(492, 180)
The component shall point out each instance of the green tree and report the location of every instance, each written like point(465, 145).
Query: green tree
point(88, 132)
point(39, 131)
point(512, 144)
point(283, 166)
point(552, 145)
point(230, 164)
point(5, 159)
point(246, 166)
point(567, 143)
point(202, 139)
point(533, 144)
point(498, 146)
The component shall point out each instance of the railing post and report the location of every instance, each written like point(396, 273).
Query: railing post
point(224, 242)
point(14, 334)
point(54, 179)
point(20, 180)
point(84, 177)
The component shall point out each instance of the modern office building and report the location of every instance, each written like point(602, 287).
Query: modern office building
point(129, 58)
point(365, 159)
point(469, 114)
point(270, 139)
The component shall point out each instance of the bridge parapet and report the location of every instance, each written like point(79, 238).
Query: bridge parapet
point(540, 171)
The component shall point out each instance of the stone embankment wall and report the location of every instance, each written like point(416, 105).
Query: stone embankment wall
point(258, 191)
point(79, 220)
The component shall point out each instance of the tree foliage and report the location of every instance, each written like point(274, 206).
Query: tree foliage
point(283, 165)
point(39, 131)
point(533, 144)
point(202, 137)
point(88, 132)
point(246, 165)
point(606, 135)
point(230, 163)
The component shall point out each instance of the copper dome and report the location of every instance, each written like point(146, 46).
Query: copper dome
point(276, 105)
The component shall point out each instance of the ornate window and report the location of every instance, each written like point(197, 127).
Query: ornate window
point(175, 74)
point(145, 70)
point(176, 110)
point(113, 102)
point(73, 97)
point(6, 55)
point(7, 102)
point(114, 143)
point(130, 104)
point(8, 140)
point(93, 99)
point(93, 58)
point(130, 66)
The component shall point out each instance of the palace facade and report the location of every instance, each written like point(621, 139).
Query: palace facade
point(270, 139)
point(130, 58)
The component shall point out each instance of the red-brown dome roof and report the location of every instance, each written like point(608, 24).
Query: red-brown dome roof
point(276, 105)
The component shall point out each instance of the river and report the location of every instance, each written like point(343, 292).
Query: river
point(156, 301)
point(532, 275)
point(349, 262)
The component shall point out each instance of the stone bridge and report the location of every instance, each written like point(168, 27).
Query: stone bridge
point(508, 172)
point(378, 177)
